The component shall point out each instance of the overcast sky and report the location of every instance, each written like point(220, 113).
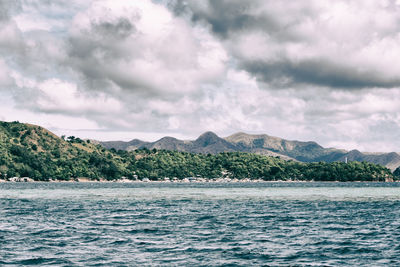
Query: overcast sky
point(327, 71)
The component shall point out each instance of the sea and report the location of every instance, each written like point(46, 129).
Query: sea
point(200, 224)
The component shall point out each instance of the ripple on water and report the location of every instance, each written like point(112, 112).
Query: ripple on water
point(108, 224)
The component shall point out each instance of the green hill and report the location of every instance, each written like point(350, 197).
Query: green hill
point(32, 151)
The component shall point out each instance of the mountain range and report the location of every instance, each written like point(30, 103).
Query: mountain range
point(262, 144)
point(29, 152)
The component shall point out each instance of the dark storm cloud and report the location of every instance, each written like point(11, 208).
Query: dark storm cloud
point(99, 37)
point(316, 72)
point(335, 61)
point(227, 17)
point(91, 51)
point(117, 30)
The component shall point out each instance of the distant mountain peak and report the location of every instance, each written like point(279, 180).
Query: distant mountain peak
point(246, 135)
point(167, 138)
point(208, 138)
point(208, 134)
point(264, 144)
point(136, 140)
point(240, 134)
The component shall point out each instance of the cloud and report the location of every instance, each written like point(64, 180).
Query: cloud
point(45, 15)
point(184, 67)
point(110, 54)
point(142, 47)
point(10, 37)
point(59, 96)
point(345, 44)
point(5, 78)
point(7, 8)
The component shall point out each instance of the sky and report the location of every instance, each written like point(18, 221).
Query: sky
point(326, 71)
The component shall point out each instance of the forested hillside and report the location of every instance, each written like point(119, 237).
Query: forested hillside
point(32, 151)
point(261, 144)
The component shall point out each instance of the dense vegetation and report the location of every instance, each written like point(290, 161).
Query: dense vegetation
point(155, 164)
point(396, 174)
point(31, 151)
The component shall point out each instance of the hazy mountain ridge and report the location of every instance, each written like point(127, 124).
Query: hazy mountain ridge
point(208, 142)
point(263, 144)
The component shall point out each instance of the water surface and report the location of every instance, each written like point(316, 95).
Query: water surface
point(237, 224)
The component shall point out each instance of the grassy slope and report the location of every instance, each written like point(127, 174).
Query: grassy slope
point(30, 150)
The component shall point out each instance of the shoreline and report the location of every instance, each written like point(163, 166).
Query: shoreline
point(216, 181)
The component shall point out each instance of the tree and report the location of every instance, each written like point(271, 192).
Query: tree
point(396, 173)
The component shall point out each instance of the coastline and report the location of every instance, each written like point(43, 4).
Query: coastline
point(144, 181)
point(183, 181)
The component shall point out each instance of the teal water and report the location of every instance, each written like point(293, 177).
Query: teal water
point(237, 224)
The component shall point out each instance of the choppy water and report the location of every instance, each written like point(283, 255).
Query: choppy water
point(76, 224)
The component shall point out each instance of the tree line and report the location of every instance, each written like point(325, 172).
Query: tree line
point(31, 151)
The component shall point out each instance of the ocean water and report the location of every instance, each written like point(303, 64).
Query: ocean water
point(233, 224)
